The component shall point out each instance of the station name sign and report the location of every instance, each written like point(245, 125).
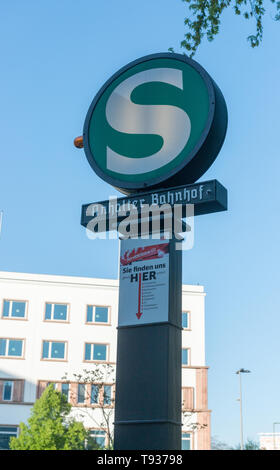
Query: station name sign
point(207, 197)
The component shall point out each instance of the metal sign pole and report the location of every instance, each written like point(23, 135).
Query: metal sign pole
point(121, 143)
point(148, 377)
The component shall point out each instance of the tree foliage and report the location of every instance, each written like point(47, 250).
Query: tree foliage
point(205, 19)
point(99, 375)
point(250, 444)
point(49, 426)
point(217, 444)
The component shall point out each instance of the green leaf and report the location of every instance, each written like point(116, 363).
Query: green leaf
point(49, 426)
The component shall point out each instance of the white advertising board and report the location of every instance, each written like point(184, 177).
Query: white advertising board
point(144, 281)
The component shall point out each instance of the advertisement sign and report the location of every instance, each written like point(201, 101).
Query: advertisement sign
point(144, 282)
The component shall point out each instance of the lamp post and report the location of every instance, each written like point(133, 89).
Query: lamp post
point(1, 219)
point(274, 443)
point(241, 371)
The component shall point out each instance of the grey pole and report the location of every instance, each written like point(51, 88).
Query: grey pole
point(241, 417)
point(1, 220)
point(240, 371)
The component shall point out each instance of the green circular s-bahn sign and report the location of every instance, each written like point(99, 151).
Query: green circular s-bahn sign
point(160, 121)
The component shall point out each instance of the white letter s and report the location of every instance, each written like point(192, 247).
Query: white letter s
point(170, 122)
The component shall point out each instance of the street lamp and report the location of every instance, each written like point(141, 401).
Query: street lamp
point(274, 444)
point(1, 219)
point(241, 371)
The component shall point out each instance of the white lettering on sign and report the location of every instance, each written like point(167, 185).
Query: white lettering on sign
point(144, 281)
point(170, 122)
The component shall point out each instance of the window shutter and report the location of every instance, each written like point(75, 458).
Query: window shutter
point(201, 388)
point(87, 393)
point(18, 390)
point(1, 390)
point(187, 398)
point(73, 393)
point(101, 395)
point(41, 387)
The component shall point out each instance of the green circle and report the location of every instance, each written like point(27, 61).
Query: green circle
point(193, 98)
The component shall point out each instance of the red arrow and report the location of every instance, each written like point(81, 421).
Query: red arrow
point(139, 313)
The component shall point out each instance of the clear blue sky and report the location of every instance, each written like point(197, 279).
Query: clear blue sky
point(55, 56)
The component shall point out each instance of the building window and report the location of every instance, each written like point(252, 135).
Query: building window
point(7, 394)
point(54, 350)
point(11, 347)
point(186, 441)
point(94, 396)
point(56, 312)
point(11, 390)
point(96, 352)
point(186, 320)
point(14, 309)
point(99, 437)
point(107, 395)
point(97, 314)
point(6, 432)
point(65, 390)
point(81, 393)
point(185, 356)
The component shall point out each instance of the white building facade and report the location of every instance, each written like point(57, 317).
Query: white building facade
point(52, 327)
point(269, 440)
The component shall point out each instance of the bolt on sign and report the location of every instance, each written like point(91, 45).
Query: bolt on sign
point(160, 121)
